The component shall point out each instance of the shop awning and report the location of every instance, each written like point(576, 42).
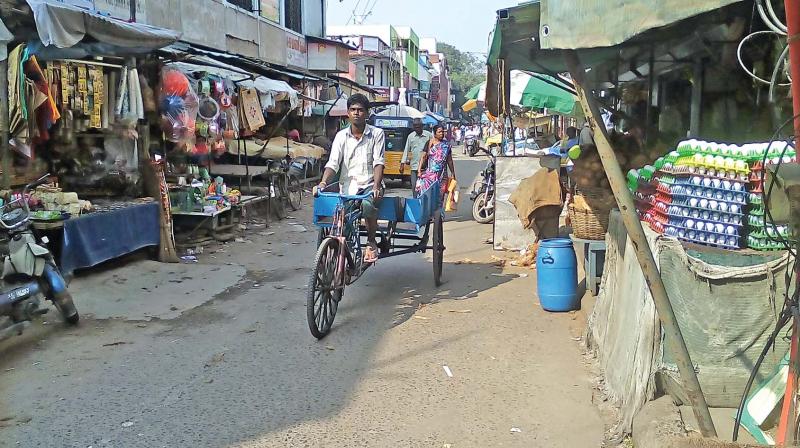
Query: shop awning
point(469, 105)
point(529, 36)
point(476, 93)
point(435, 116)
point(535, 91)
point(64, 26)
point(5, 38)
point(572, 24)
point(250, 64)
point(401, 111)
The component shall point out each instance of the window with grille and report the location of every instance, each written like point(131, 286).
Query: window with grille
point(244, 4)
point(370, 69)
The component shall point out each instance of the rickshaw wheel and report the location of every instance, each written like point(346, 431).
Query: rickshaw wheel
point(294, 193)
point(323, 300)
point(438, 247)
point(322, 233)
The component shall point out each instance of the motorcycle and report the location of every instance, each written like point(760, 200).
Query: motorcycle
point(483, 194)
point(29, 271)
point(472, 146)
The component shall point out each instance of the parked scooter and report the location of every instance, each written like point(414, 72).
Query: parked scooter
point(483, 194)
point(29, 271)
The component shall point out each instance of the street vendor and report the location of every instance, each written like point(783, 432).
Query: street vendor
point(562, 147)
point(357, 155)
point(415, 145)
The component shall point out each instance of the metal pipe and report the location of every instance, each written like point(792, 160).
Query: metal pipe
point(788, 416)
point(793, 23)
point(674, 339)
point(697, 97)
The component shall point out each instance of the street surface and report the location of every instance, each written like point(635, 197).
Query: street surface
point(218, 354)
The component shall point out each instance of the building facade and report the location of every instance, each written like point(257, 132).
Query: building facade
point(270, 30)
point(440, 97)
point(404, 45)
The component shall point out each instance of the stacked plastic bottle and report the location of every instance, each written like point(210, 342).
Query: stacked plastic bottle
point(696, 193)
point(759, 235)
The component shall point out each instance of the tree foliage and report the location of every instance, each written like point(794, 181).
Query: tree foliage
point(466, 70)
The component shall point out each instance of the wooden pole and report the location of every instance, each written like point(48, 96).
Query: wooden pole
point(675, 343)
point(5, 156)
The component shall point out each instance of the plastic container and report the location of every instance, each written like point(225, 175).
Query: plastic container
point(557, 275)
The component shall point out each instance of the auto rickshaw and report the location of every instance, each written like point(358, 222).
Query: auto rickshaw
point(397, 130)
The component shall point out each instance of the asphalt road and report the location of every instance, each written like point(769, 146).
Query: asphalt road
point(242, 370)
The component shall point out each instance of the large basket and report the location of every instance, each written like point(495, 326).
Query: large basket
point(591, 224)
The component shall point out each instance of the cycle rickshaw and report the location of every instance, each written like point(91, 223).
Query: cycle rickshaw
point(406, 226)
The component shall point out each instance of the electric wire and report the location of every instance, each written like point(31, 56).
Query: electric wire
point(741, 62)
point(789, 310)
point(768, 218)
point(767, 19)
point(774, 79)
point(777, 22)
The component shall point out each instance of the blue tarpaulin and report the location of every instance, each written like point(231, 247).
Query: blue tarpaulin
point(95, 238)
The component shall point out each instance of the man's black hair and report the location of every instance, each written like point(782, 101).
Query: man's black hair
point(359, 99)
point(572, 132)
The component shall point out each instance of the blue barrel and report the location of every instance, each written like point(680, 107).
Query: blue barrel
point(557, 275)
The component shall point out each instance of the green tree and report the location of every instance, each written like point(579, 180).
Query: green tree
point(466, 71)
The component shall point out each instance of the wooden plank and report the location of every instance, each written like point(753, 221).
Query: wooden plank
point(238, 170)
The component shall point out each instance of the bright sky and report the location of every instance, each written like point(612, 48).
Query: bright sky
point(466, 24)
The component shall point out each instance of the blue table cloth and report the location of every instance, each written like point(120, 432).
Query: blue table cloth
point(92, 239)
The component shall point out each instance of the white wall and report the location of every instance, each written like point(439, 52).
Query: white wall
point(428, 44)
point(381, 31)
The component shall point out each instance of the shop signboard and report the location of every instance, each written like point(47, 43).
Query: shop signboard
point(296, 51)
point(383, 93)
point(391, 123)
point(118, 9)
point(271, 10)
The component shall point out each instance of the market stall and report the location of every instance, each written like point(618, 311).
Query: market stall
point(226, 126)
point(75, 109)
point(645, 85)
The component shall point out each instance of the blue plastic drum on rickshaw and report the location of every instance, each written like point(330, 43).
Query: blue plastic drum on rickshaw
point(557, 275)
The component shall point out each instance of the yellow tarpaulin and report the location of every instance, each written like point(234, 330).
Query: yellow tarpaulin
point(469, 105)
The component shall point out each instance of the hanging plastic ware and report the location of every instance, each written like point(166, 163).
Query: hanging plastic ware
point(173, 82)
point(173, 106)
point(208, 109)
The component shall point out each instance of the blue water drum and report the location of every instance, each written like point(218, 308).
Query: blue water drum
point(557, 275)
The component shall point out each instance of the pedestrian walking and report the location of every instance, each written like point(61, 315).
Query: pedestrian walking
point(415, 145)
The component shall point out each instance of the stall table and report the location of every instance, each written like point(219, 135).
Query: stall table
point(594, 255)
point(214, 222)
point(94, 238)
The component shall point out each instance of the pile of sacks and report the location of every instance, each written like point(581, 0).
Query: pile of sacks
point(54, 199)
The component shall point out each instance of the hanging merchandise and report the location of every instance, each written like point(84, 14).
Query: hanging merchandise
point(251, 114)
point(179, 108)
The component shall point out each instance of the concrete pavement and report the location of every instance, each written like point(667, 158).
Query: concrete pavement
point(234, 365)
